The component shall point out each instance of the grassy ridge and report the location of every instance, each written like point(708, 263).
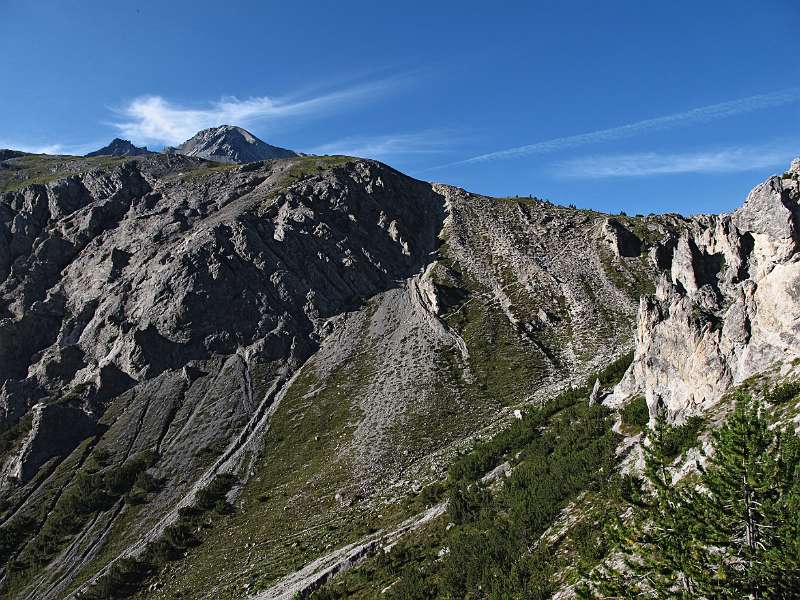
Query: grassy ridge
point(33, 169)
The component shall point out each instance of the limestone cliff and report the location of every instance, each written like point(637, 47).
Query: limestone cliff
point(727, 306)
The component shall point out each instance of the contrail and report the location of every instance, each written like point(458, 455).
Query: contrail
point(703, 114)
point(724, 160)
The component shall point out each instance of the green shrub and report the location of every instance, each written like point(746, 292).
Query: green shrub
point(171, 545)
point(730, 533)
point(122, 580)
point(147, 483)
point(781, 394)
point(432, 494)
point(413, 586)
point(678, 439)
point(567, 450)
point(468, 502)
point(560, 450)
point(13, 436)
point(13, 534)
point(612, 374)
point(487, 455)
point(208, 497)
point(120, 480)
point(636, 413)
point(89, 493)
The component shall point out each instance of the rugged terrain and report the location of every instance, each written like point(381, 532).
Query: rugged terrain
point(725, 308)
point(229, 144)
point(284, 353)
point(119, 147)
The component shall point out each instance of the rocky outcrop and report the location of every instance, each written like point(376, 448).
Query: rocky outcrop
point(594, 396)
point(229, 144)
point(621, 240)
point(170, 302)
point(55, 431)
point(727, 308)
point(121, 276)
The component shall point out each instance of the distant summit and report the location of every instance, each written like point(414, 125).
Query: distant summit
point(120, 147)
point(229, 144)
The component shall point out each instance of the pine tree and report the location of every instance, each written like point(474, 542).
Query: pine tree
point(733, 535)
point(655, 546)
point(739, 510)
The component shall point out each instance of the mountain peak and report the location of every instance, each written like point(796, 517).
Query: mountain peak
point(230, 144)
point(120, 147)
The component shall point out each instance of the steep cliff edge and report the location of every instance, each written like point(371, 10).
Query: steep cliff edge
point(727, 306)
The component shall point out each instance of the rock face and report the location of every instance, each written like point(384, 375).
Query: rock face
point(229, 144)
point(119, 147)
point(594, 397)
point(164, 304)
point(56, 430)
point(179, 299)
point(621, 240)
point(728, 308)
point(112, 278)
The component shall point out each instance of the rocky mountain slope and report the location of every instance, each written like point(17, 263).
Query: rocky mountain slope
point(240, 369)
point(229, 144)
point(119, 147)
point(723, 319)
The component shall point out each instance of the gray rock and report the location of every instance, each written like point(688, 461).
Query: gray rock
point(55, 431)
point(229, 144)
point(119, 147)
point(728, 309)
point(594, 396)
point(181, 304)
point(621, 240)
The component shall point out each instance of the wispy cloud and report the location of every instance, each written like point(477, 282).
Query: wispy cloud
point(725, 160)
point(74, 149)
point(153, 119)
point(383, 146)
point(33, 148)
point(702, 114)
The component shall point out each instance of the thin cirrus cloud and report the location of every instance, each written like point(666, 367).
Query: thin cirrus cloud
point(153, 119)
point(726, 160)
point(702, 114)
point(54, 149)
point(33, 148)
point(384, 146)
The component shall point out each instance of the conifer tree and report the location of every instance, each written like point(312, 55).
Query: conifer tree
point(733, 534)
point(655, 546)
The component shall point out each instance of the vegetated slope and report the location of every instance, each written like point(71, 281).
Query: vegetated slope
point(723, 320)
point(312, 338)
point(396, 389)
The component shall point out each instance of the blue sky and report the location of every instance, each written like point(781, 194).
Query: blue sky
point(638, 106)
